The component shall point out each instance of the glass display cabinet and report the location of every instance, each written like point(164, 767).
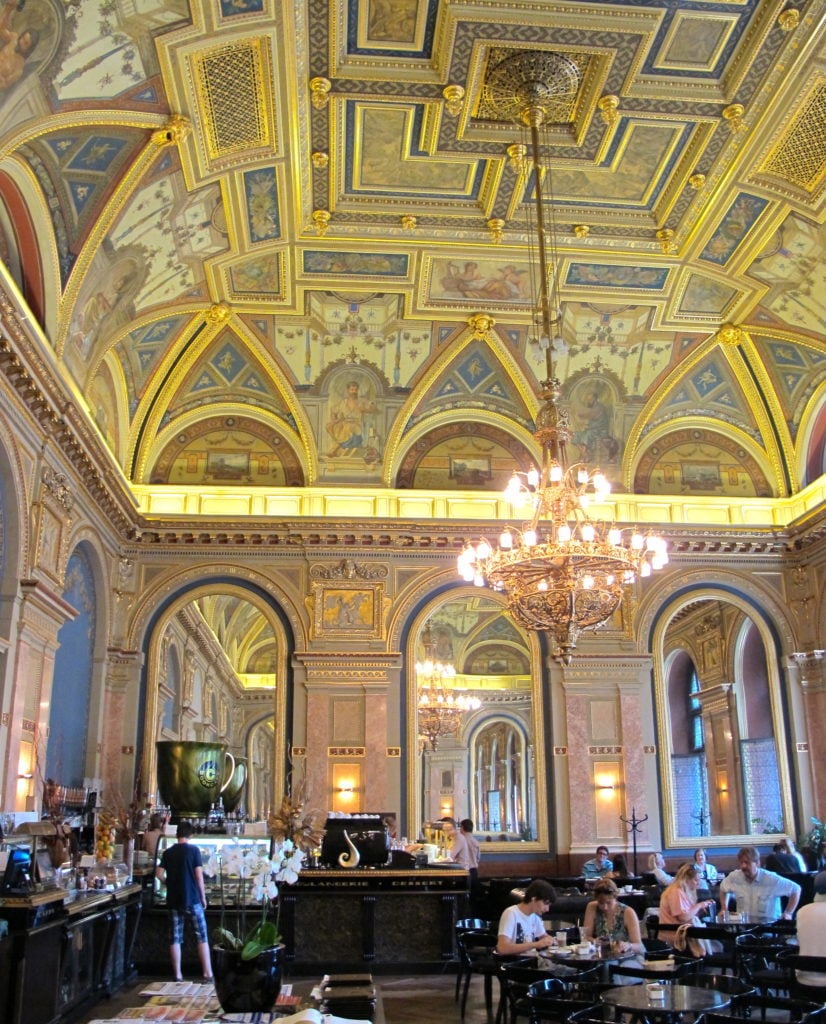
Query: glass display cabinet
point(231, 890)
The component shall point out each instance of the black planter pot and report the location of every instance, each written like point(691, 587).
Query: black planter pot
point(247, 986)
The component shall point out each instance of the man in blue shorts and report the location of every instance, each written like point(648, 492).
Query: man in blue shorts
point(182, 871)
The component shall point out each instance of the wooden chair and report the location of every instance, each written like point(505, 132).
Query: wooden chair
point(545, 1005)
point(773, 1008)
point(800, 989)
point(723, 983)
point(467, 926)
point(760, 962)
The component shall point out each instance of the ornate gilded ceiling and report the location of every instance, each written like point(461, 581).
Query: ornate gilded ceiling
point(258, 237)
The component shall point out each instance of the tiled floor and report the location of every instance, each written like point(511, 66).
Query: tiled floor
point(413, 999)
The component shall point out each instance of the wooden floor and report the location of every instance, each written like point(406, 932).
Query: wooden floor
point(412, 999)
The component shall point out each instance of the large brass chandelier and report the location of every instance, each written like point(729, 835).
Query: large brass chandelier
point(563, 572)
point(440, 708)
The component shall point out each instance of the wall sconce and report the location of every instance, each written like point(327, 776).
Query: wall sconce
point(26, 775)
point(346, 787)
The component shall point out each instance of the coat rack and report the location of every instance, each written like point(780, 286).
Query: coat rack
point(633, 825)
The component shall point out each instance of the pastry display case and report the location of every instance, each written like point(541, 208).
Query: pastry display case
point(214, 850)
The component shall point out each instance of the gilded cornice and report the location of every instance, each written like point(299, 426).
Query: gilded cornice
point(38, 389)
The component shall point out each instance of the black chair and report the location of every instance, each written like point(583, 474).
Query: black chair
point(723, 983)
point(477, 958)
point(517, 981)
point(760, 962)
point(545, 1003)
point(798, 989)
point(721, 957)
point(657, 949)
point(621, 971)
point(469, 926)
point(773, 1008)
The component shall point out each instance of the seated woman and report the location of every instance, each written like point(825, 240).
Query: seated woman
point(620, 872)
point(709, 875)
point(607, 918)
point(679, 903)
point(656, 865)
point(521, 928)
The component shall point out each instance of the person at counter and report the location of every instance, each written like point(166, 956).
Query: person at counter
point(599, 865)
point(458, 848)
point(521, 927)
point(157, 828)
point(181, 870)
point(757, 890)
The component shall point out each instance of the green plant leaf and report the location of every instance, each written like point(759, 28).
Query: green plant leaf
point(260, 938)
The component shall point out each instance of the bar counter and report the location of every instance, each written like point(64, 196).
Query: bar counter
point(343, 919)
point(62, 953)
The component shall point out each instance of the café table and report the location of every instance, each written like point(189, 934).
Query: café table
point(584, 961)
point(671, 1002)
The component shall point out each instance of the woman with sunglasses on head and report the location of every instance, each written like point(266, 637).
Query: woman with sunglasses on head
point(607, 918)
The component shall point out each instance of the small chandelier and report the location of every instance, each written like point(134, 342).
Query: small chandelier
point(563, 571)
point(440, 707)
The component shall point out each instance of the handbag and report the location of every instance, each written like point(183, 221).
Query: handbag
point(695, 946)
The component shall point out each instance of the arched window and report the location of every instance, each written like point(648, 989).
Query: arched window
point(172, 703)
point(695, 713)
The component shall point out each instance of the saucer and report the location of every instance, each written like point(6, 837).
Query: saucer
point(563, 952)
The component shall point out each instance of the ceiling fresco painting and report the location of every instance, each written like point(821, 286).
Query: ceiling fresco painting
point(290, 245)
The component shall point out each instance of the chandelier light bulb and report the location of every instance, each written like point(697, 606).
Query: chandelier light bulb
point(533, 477)
point(645, 570)
point(513, 490)
point(506, 540)
point(542, 585)
point(556, 474)
point(529, 538)
point(483, 550)
point(615, 536)
point(563, 534)
point(478, 580)
point(637, 541)
point(582, 476)
point(588, 532)
point(587, 582)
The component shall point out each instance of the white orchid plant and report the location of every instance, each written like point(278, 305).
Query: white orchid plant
point(255, 878)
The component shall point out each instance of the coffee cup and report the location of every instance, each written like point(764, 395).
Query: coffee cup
point(562, 938)
point(584, 948)
point(192, 775)
point(656, 991)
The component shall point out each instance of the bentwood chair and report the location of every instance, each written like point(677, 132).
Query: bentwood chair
point(771, 1008)
point(760, 961)
point(476, 958)
point(516, 983)
point(469, 927)
point(723, 983)
point(544, 1005)
point(799, 989)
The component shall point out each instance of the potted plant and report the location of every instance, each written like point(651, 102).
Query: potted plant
point(247, 962)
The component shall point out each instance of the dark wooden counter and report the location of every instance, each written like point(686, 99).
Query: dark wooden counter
point(336, 920)
point(62, 955)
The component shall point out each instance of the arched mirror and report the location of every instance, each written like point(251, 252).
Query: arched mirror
point(216, 667)
point(724, 763)
point(475, 723)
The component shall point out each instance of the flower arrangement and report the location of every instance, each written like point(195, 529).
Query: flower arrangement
point(256, 878)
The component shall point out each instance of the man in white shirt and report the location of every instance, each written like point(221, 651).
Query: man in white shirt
point(458, 849)
point(758, 891)
point(811, 932)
